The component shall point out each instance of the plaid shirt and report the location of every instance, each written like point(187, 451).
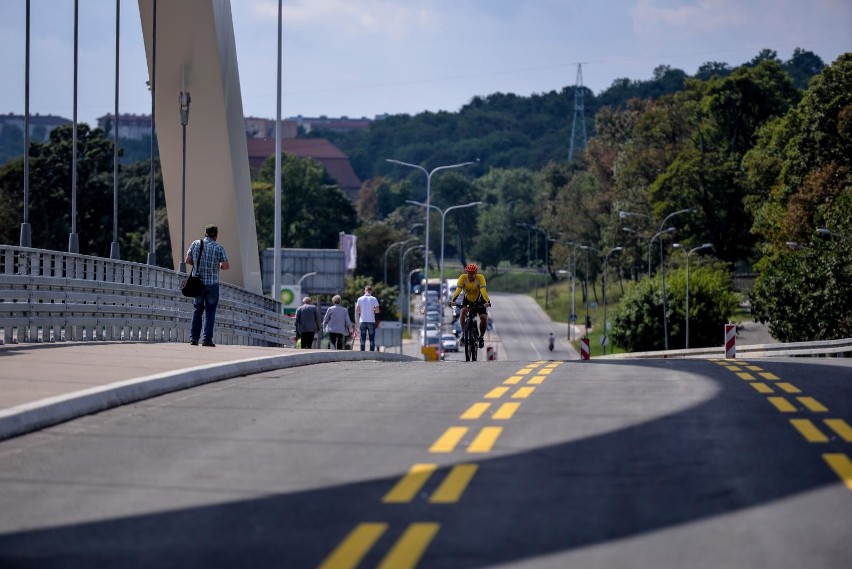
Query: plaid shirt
point(211, 256)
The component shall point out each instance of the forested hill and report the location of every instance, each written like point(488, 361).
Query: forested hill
point(510, 131)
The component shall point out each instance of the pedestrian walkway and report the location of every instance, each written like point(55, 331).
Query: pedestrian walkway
point(45, 384)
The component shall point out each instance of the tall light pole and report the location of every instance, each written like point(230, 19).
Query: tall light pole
point(663, 268)
point(546, 262)
point(26, 230)
point(276, 240)
point(428, 201)
point(605, 331)
point(401, 272)
point(690, 252)
point(587, 248)
point(391, 246)
point(529, 229)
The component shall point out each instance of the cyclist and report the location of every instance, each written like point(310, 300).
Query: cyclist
point(475, 298)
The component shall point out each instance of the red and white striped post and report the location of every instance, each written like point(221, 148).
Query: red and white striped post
point(584, 349)
point(730, 341)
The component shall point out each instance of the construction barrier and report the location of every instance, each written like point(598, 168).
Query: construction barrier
point(730, 341)
point(584, 348)
point(430, 353)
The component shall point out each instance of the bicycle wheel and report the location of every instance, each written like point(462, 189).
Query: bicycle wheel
point(472, 345)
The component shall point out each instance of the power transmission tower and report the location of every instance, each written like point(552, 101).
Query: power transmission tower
point(579, 111)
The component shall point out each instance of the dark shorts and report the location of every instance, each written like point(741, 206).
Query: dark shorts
point(478, 307)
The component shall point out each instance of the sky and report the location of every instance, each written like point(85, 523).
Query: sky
point(363, 58)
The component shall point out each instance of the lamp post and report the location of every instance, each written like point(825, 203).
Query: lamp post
point(691, 251)
point(829, 233)
point(303, 277)
point(528, 228)
point(587, 248)
point(401, 269)
point(391, 246)
point(606, 260)
point(572, 317)
point(546, 263)
point(663, 268)
point(408, 303)
point(428, 201)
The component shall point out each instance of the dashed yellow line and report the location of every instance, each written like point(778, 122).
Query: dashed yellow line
point(523, 392)
point(808, 430)
point(475, 411)
point(537, 380)
point(745, 375)
point(485, 440)
point(761, 387)
point(788, 387)
point(410, 547)
point(841, 465)
point(454, 484)
point(754, 368)
point(448, 441)
point(513, 380)
point(782, 404)
point(768, 375)
point(545, 371)
point(840, 427)
point(506, 411)
point(812, 404)
point(409, 485)
point(496, 393)
point(352, 550)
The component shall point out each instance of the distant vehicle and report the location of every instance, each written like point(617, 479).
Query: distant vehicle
point(457, 328)
point(450, 343)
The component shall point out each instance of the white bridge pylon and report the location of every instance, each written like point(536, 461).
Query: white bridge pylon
point(196, 52)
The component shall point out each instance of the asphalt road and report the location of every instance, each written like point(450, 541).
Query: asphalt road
point(665, 463)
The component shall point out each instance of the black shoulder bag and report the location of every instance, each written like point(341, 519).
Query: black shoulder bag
point(191, 285)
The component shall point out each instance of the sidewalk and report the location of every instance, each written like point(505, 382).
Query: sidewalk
point(46, 384)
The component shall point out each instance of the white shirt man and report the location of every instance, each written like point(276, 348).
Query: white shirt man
point(366, 308)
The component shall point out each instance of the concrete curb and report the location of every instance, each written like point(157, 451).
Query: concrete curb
point(51, 411)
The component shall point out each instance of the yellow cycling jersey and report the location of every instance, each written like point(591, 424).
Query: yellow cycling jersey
point(472, 289)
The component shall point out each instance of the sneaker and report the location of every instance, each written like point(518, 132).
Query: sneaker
point(193, 342)
point(481, 342)
point(209, 344)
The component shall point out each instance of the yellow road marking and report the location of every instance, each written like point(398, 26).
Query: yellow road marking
point(789, 387)
point(514, 380)
point(496, 393)
point(536, 380)
point(732, 367)
point(745, 375)
point(841, 465)
point(768, 375)
point(409, 549)
point(754, 368)
point(448, 441)
point(840, 427)
point(545, 371)
point(523, 392)
point(761, 387)
point(782, 404)
point(352, 550)
point(506, 411)
point(553, 364)
point(809, 431)
point(454, 484)
point(812, 404)
point(409, 485)
point(475, 411)
point(485, 440)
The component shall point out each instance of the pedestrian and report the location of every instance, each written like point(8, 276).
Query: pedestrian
point(337, 323)
point(213, 259)
point(307, 322)
point(366, 308)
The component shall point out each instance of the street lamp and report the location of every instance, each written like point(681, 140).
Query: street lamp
point(391, 246)
point(691, 251)
point(306, 275)
point(528, 228)
point(587, 248)
point(428, 201)
point(401, 271)
point(606, 260)
point(546, 263)
point(573, 316)
point(829, 233)
point(663, 268)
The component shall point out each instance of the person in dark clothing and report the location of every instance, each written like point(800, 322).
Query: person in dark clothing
point(307, 322)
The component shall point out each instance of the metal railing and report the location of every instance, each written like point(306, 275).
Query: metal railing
point(51, 296)
point(816, 348)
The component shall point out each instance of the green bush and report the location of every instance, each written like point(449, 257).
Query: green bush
point(637, 324)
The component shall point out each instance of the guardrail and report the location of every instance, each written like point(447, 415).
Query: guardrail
point(818, 348)
point(51, 296)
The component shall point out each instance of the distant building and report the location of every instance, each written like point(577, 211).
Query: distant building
point(341, 124)
point(40, 125)
point(265, 128)
point(335, 162)
point(132, 127)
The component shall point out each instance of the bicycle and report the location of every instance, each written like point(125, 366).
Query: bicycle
point(470, 334)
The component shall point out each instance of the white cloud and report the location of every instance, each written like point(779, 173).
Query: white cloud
point(649, 17)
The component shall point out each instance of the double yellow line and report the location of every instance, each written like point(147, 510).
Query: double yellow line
point(784, 396)
point(407, 551)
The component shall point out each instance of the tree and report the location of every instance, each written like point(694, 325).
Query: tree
point(313, 210)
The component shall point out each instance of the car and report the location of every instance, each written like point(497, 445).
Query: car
point(449, 343)
point(433, 315)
